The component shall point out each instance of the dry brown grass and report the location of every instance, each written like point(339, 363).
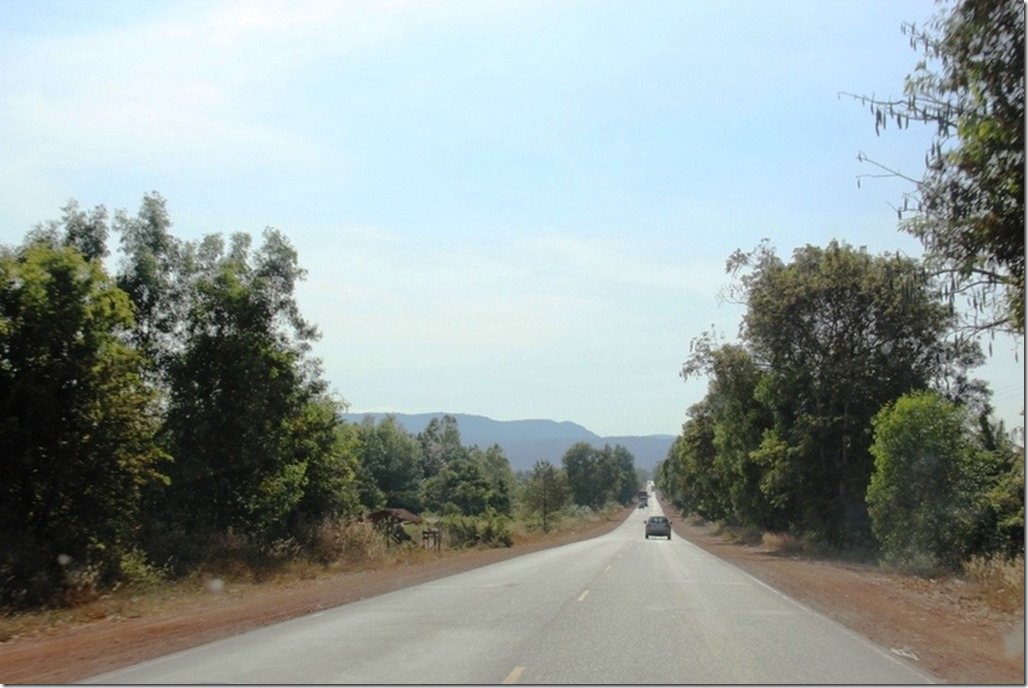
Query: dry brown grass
point(1001, 581)
point(341, 548)
point(781, 543)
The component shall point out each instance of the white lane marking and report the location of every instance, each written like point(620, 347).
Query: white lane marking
point(583, 595)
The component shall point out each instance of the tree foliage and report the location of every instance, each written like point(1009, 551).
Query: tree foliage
point(440, 444)
point(546, 493)
point(781, 439)
point(862, 331)
point(240, 389)
point(932, 496)
point(173, 415)
point(77, 422)
point(968, 209)
point(598, 477)
point(155, 272)
point(391, 459)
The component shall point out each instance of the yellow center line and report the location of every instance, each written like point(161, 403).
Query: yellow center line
point(513, 676)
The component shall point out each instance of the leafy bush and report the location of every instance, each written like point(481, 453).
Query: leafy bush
point(926, 491)
point(137, 572)
point(488, 530)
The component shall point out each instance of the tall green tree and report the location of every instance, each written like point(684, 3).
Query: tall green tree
point(580, 466)
point(598, 477)
point(460, 487)
point(239, 390)
point(331, 451)
point(156, 272)
point(546, 493)
point(392, 460)
point(77, 422)
point(84, 231)
point(862, 331)
point(496, 467)
point(739, 421)
point(968, 209)
point(440, 444)
point(624, 475)
point(689, 475)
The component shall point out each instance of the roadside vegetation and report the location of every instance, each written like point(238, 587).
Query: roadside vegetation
point(845, 420)
point(163, 418)
point(166, 420)
point(346, 548)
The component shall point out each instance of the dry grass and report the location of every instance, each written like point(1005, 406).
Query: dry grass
point(1001, 581)
point(340, 548)
point(781, 543)
point(740, 535)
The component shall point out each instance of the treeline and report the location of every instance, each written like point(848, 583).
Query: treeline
point(845, 416)
point(152, 418)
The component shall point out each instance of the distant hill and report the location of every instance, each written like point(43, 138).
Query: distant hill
point(527, 441)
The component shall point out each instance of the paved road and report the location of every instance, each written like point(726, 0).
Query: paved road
point(614, 609)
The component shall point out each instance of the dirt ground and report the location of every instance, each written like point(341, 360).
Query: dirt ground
point(944, 626)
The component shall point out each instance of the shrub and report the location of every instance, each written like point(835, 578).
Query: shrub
point(781, 542)
point(924, 493)
point(136, 571)
point(489, 530)
point(1001, 579)
point(80, 585)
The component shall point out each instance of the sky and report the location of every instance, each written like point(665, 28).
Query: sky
point(511, 209)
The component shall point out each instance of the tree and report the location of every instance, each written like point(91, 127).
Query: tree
point(241, 391)
point(460, 487)
point(863, 330)
point(440, 444)
point(496, 467)
point(391, 458)
point(546, 492)
point(968, 209)
point(689, 475)
point(85, 232)
point(598, 477)
point(925, 496)
point(628, 479)
point(739, 421)
point(330, 450)
point(580, 466)
point(77, 422)
point(157, 274)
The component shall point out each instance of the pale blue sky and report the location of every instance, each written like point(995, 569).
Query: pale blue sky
point(519, 210)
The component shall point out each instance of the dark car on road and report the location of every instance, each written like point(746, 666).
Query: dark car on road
point(658, 525)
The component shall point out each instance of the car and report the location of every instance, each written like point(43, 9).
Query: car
point(658, 525)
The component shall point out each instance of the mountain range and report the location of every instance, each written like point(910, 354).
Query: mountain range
point(526, 441)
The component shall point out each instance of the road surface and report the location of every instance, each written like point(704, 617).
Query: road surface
point(615, 609)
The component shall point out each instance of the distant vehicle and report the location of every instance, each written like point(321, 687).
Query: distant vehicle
point(658, 525)
point(643, 504)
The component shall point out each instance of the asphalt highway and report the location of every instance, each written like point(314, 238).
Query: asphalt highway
point(615, 609)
